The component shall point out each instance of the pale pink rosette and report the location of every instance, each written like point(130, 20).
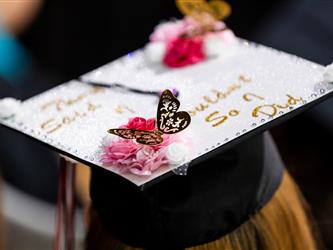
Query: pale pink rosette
point(119, 151)
point(168, 31)
point(131, 157)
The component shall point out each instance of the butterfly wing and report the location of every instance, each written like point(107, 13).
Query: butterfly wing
point(218, 9)
point(150, 138)
point(190, 7)
point(123, 133)
point(141, 136)
point(169, 121)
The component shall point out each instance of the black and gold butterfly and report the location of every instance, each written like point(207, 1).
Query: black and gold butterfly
point(169, 121)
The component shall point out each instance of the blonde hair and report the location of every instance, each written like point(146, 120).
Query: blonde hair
point(282, 224)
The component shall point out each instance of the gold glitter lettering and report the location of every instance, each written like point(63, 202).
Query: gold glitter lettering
point(209, 100)
point(248, 97)
point(294, 101)
point(215, 116)
point(50, 126)
point(61, 103)
point(121, 109)
point(218, 95)
point(244, 79)
point(201, 107)
point(92, 107)
point(271, 110)
point(233, 112)
point(53, 125)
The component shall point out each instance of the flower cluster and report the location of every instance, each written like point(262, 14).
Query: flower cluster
point(184, 42)
point(131, 157)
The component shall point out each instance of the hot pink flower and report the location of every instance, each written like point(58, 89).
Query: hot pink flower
point(184, 51)
point(140, 123)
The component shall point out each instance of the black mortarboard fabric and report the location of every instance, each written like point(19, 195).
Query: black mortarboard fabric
point(215, 197)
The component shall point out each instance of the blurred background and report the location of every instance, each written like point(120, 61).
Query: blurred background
point(45, 43)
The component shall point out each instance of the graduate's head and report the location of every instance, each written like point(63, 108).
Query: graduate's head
point(236, 200)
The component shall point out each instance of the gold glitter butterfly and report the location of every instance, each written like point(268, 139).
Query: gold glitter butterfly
point(199, 9)
point(169, 121)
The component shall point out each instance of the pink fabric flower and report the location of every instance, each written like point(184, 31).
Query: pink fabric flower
point(131, 157)
point(119, 151)
point(184, 39)
point(145, 161)
point(184, 51)
point(168, 31)
point(140, 123)
point(165, 32)
point(218, 25)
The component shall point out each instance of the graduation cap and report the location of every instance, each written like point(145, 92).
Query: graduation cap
point(192, 171)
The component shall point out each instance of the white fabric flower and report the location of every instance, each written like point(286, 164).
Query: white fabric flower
point(328, 73)
point(176, 153)
point(215, 47)
point(155, 51)
point(9, 107)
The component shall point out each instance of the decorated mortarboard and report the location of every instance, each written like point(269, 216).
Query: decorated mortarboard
point(188, 106)
point(225, 100)
point(221, 102)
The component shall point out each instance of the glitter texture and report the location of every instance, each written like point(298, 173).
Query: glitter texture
point(85, 120)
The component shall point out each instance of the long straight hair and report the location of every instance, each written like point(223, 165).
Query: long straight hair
point(284, 223)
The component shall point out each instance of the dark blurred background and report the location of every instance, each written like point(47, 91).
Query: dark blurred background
point(68, 38)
